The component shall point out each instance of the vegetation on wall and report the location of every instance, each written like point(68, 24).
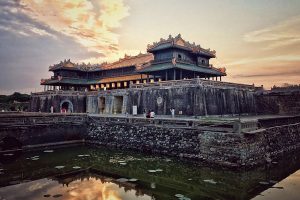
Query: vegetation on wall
point(14, 102)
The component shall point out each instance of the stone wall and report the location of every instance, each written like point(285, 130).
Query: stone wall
point(269, 144)
point(43, 102)
point(27, 130)
point(107, 102)
point(197, 100)
point(171, 137)
point(225, 149)
point(190, 97)
point(282, 102)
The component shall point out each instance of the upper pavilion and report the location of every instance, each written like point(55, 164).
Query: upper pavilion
point(175, 59)
point(168, 59)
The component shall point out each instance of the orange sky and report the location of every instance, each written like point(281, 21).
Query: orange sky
point(258, 41)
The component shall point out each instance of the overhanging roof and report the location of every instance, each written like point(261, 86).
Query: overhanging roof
point(86, 82)
point(194, 68)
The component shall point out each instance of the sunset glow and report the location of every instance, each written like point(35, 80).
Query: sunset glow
point(257, 41)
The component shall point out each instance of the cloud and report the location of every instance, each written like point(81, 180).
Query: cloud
point(13, 20)
point(270, 59)
point(272, 72)
point(284, 33)
point(90, 23)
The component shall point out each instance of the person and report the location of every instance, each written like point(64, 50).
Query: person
point(51, 109)
point(144, 113)
point(172, 112)
point(148, 114)
point(152, 114)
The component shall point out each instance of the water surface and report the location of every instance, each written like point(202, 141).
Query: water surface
point(96, 173)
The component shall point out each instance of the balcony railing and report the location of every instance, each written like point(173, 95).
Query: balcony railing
point(196, 82)
point(59, 92)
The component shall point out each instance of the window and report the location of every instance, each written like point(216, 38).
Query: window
point(179, 57)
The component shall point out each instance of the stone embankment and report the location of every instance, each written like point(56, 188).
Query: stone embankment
point(226, 143)
point(28, 130)
point(231, 142)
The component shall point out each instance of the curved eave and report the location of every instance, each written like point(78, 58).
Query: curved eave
point(81, 82)
point(195, 68)
point(168, 46)
point(205, 54)
point(66, 68)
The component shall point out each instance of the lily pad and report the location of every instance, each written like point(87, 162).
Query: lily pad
point(76, 167)
point(8, 154)
point(60, 167)
point(133, 180)
point(264, 183)
point(179, 195)
point(48, 151)
point(211, 181)
point(123, 163)
point(151, 171)
point(122, 180)
point(159, 170)
point(153, 185)
point(184, 198)
point(33, 157)
point(83, 155)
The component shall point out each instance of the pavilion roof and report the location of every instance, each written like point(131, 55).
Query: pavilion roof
point(184, 66)
point(68, 65)
point(75, 81)
point(178, 42)
point(65, 81)
point(137, 61)
point(122, 78)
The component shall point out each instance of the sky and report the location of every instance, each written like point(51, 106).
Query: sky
point(258, 41)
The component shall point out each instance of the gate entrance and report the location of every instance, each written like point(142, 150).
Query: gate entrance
point(102, 105)
point(66, 106)
point(118, 104)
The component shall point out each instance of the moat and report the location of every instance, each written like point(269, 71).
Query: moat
point(82, 172)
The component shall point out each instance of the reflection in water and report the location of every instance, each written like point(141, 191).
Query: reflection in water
point(86, 189)
point(99, 174)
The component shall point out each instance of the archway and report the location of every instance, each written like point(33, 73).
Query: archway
point(66, 106)
point(118, 105)
point(102, 105)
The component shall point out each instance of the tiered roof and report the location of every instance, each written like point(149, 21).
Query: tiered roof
point(67, 64)
point(138, 61)
point(178, 42)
